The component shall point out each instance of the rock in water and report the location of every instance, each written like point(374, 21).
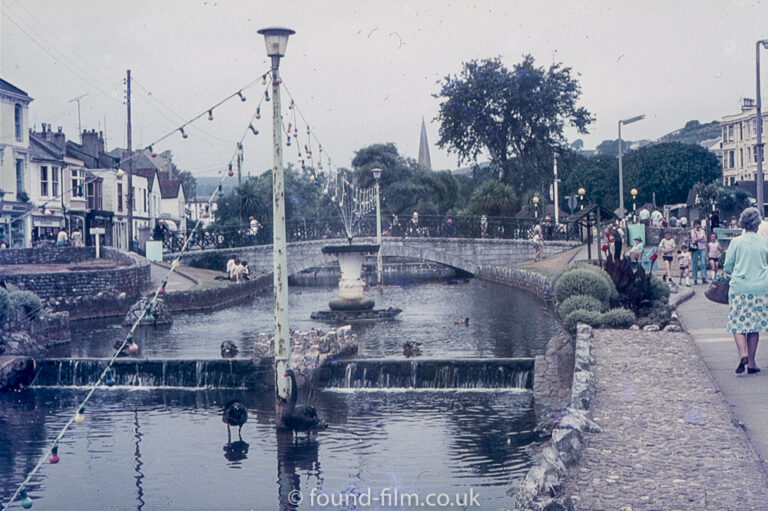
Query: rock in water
point(159, 311)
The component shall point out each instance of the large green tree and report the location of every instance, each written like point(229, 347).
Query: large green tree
point(669, 170)
point(405, 186)
point(516, 117)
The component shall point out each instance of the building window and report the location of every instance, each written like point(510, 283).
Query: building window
point(43, 181)
point(725, 134)
point(730, 132)
point(741, 131)
point(19, 121)
point(119, 196)
point(731, 163)
point(94, 195)
point(54, 181)
point(741, 157)
point(78, 180)
point(19, 175)
point(133, 198)
point(145, 201)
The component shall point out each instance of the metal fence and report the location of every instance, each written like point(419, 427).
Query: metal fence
point(426, 226)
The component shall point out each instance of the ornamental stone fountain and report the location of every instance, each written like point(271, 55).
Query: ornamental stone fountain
point(351, 303)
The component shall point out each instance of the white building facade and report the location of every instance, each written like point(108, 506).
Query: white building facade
point(737, 141)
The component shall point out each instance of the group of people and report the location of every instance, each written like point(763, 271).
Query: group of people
point(698, 255)
point(63, 239)
point(237, 269)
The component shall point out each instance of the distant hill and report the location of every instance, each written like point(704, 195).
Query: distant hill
point(693, 133)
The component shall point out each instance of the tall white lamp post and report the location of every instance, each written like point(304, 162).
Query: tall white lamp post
point(276, 40)
point(759, 127)
point(621, 170)
point(379, 262)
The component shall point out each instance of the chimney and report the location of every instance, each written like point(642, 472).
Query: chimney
point(93, 143)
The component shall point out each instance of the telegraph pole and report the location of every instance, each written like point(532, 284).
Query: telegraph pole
point(129, 193)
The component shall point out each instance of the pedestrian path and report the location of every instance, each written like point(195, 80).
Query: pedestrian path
point(748, 394)
point(176, 282)
point(668, 440)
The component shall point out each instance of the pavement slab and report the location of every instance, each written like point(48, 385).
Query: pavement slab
point(747, 394)
point(669, 441)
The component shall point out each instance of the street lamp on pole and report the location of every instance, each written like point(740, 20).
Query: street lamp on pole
point(759, 130)
point(379, 262)
point(536, 206)
point(276, 40)
point(621, 170)
point(582, 192)
point(633, 192)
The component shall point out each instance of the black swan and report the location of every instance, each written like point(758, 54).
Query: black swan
point(299, 417)
point(411, 349)
point(234, 414)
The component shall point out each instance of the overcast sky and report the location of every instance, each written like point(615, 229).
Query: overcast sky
point(364, 71)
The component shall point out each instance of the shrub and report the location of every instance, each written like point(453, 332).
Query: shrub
point(584, 265)
point(581, 281)
point(5, 303)
point(619, 318)
point(577, 302)
point(633, 286)
point(26, 301)
point(659, 289)
point(592, 318)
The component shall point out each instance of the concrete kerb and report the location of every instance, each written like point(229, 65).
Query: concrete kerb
point(542, 488)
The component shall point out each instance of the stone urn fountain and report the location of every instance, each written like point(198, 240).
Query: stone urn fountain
point(351, 302)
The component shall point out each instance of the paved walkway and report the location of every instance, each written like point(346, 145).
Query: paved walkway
point(669, 442)
point(176, 282)
point(748, 394)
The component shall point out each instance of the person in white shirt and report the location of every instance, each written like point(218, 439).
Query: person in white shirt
point(62, 238)
point(667, 247)
point(231, 264)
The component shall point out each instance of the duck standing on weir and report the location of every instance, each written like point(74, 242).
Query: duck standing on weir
point(298, 418)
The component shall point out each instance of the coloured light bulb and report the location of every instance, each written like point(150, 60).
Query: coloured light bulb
point(80, 415)
point(109, 379)
point(54, 456)
point(240, 93)
point(210, 115)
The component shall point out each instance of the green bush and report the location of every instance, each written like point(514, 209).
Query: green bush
point(27, 302)
point(592, 318)
point(659, 289)
point(5, 303)
point(619, 318)
point(584, 265)
point(659, 314)
point(581, 281)
point(584, 302)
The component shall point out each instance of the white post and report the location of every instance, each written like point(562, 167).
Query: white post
point(557, 204)
point(98, 247)
point(379, 258)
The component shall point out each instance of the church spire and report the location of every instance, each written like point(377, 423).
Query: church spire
point(424, 160)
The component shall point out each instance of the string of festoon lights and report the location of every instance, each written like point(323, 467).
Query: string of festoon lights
point(106, 377)
point(352, 201)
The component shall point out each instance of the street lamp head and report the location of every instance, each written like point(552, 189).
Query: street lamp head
point(536, 199)
point(376, 173)
point(764, 42)
point(632, 119)
point(582, 192)
point(276, 40)
point(633, 191)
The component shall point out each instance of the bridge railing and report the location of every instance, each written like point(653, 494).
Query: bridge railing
point(427, 226)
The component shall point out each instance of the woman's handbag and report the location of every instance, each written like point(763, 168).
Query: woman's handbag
point(718, 290)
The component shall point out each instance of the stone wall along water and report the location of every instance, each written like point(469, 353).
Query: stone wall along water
point(86, 293)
